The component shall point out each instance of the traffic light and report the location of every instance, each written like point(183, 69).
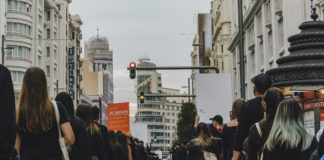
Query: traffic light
point(142, 97)
point(132, 70)
point(154, 140)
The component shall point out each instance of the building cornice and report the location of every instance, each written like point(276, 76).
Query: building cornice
point(247, 20)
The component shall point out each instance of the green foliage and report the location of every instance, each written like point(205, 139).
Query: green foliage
point(185, 125)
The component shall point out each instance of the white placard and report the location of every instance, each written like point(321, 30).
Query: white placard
point(214, 96)
point(139, 130)
point(309, 122)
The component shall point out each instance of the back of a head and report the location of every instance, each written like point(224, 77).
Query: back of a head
point(84, 112)
point(95, 112)
point(272, 98)
point(67, 101)
point(122, 142)
point(36, 112)
point(288, 129)
point(218, 119)
point(237, 104)
point(204, 135)
point(111, 136)
point(262, 82)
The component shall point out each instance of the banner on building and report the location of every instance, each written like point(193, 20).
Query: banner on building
point(118, 117)
point(71, 72)
point(312, 105)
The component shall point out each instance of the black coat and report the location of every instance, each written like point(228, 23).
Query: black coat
point(7, 114)
point(196, 153)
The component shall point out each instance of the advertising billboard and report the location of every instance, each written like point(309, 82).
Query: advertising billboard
point(118, 117)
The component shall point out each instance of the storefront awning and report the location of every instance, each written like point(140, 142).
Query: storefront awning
point(306, 88)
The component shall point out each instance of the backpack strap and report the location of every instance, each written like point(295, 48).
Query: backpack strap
point(258, 128)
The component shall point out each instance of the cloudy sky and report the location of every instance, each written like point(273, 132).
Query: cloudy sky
point(162, 30)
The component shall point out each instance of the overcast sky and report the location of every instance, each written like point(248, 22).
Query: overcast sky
point(162, 30)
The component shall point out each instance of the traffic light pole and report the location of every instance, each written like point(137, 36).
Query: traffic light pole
point(177, 68)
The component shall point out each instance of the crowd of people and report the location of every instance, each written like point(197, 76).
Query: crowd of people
point(38, 128)
point(267, 127)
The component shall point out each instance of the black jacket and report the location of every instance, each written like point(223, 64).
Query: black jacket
point(181, 154)
point(280, 153)
point(227, 142)
point(196, 153)
point(254, 143)
point(104, 134)
point(7, 114)
point(81, 148)
point(250, 113)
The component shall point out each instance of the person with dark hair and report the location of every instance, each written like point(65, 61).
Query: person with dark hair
point(182, 152)
point(103, 129)
point(259, 132)
point(38, 131)
point(251, 112)
point(81, 148)
point(96, 141)
point(111, 138)
point(215, 129)
point(288, 139)
point(7, 114)
point(229, 130)
point(123, 150)
point(204, 145)
point(318, 154)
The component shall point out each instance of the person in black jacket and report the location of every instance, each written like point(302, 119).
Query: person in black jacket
point(96, 141)
point(111, 137)
point(319, 152)
point(229, 130)
point(81, 148)
point(204, 142)
point(256, 140)
point(7, 114)
point(288, 139)
point(251, 112)
point(123, 149)
point(103, 129)
point(182, 152)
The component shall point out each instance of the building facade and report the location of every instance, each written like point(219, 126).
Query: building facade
point(33, 30)
point(97, 74)
point(267, 26)
point(160, 114)
point(2, 22)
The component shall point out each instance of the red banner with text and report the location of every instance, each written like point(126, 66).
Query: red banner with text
point(118, 117)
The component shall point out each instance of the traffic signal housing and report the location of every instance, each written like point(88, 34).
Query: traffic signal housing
point(132, 70)
point(142, 97)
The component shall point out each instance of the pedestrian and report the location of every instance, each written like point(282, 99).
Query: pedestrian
point(7, 114)
point(251, 112)
point(111, 137)
point(175, 150)
point(96, 141)
point(288, 139)
point(38, 132)
point(205, 145)
point(182, 152)
point(229, 130)
point(216, 128)
point(318, 154)
point(259, 132)
point(103, 129)
point(123, 149)
point(80, 150)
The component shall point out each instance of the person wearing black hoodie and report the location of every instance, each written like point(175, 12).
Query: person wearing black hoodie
point(103, 129)
point(7, 114)
point(81, 148)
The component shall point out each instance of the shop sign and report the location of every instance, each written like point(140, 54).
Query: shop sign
point(312, 105)
point(309, 122)
point(71, 72)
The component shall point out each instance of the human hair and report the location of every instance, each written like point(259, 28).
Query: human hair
point(262, 82)
point(218, 119)
point(85, 113)
point(35, 110)
point(288, 129)
point(67, 102)
point(95, 112)
point(204, 136)
point(237, 104)
point(111, 136)
point(122, 141)
point(272, 97)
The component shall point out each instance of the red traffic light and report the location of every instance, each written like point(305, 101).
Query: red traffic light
point(132, 65)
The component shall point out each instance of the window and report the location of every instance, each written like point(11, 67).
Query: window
point(173, 121)
point(18, 29)
point(48, 33)
point(48, 51)
point(54, 72)
point(73, 35)
point(173, 114)
point(40, 19)
point(39, 60)
point(18, 6)
point(39, 40)
point(17, 77)
point(18, 52)
point(48, 70)
point(58, 7)
point(48, 15)
point(55, 54)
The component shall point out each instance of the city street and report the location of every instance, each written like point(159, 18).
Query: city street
point(162, 80)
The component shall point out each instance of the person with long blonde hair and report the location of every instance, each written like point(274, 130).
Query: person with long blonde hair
point(37, 136)
point(204, 144)
point(288, 139)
